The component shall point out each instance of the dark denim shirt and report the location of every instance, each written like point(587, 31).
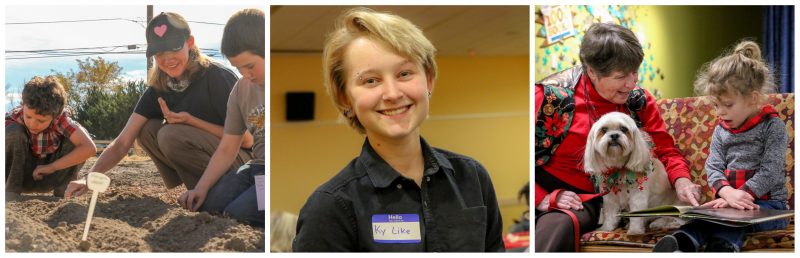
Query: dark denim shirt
point(456, 206)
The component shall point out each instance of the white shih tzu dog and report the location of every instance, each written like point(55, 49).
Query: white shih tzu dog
point(619, 159)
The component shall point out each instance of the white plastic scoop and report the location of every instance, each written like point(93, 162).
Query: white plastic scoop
point(97, 182)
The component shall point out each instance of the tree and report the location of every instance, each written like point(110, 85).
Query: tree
point(98, 98)
point(13, 97)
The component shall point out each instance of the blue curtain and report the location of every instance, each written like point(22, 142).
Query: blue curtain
point(779, 44)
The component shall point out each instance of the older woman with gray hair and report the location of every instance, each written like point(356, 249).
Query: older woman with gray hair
point(567, 104)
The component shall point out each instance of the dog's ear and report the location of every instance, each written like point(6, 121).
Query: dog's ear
point(640, 153)
point(591, 164)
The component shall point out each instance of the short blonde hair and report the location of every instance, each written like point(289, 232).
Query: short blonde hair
point(395, 32)
point(282, 228)
point(741, 71)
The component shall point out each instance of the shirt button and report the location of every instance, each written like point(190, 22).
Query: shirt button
point(427, 178)
point(399, 186)
point(425, 204)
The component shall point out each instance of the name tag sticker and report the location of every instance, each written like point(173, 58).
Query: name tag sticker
point(396, 228)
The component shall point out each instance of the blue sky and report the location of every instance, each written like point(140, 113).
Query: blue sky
point(126, 29)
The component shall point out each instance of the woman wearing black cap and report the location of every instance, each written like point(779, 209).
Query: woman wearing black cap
point(179, 119)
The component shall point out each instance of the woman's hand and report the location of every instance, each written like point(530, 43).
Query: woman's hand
point(687, 191)
point(737, 198)
point(43, 170)
point(182, 117)
point(565, 200)
point(192, 199)
point(76, 188)
point(716, 204)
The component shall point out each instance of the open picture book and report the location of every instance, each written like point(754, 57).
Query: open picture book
point(725, 216)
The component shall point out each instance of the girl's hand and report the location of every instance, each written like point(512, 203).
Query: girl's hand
point(716, 204)
point(76, 188)
point(738, 199)
point(172, 117)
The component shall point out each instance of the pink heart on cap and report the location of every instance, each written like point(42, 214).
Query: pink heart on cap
point(160, 30)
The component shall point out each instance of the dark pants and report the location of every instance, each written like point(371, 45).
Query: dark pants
point(20, 164)
point(554, 229)
point(234, 195)
point(700, 231)
point(181, 152)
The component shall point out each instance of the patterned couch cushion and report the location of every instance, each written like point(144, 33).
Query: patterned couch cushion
point(691, 122)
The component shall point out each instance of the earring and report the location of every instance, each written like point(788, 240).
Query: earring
point(347, 113)
point(429, 94)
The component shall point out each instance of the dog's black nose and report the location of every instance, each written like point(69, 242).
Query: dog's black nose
point(614, 136)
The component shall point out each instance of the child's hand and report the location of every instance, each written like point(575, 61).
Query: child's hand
point(717, 203)
point(737, 198)
point(192, 199)
point(42, 170)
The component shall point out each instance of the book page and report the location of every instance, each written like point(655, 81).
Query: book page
point(747, 216)
point(664, 210)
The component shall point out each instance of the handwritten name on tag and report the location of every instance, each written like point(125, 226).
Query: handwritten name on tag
point(396, 228)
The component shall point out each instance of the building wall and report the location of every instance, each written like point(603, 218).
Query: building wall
point(677, 40)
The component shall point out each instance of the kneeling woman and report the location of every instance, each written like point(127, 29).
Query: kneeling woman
point(400, 194)
point(179, 119)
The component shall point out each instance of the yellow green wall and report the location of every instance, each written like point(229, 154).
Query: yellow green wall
point(677, 40)
point(479, 108)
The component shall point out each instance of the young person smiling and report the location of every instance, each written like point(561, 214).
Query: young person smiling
point(179, 119)
point(399, 194)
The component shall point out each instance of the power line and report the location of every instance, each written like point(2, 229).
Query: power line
point(69, 52)
point(66, 52)
point(73, 21)
point(77, 48)
point(68, 55)
point(140, 21)
point(209, 23)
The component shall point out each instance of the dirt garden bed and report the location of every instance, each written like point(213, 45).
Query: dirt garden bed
point(136, 214)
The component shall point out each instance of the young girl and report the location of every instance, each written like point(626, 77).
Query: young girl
point(187, 89)
point(745, 165)
point(399, 194)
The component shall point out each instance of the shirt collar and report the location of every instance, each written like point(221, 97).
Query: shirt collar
point(767, 111)
point(382, 175)
point(593, 94)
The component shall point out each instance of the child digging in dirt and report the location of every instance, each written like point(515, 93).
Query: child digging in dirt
point(45, 148)
point(233, 193)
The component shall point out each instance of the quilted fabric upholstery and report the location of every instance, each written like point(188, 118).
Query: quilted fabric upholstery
point(691, 122)
point(769, 239)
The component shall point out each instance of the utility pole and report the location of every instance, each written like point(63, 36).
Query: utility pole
point(149, 60)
